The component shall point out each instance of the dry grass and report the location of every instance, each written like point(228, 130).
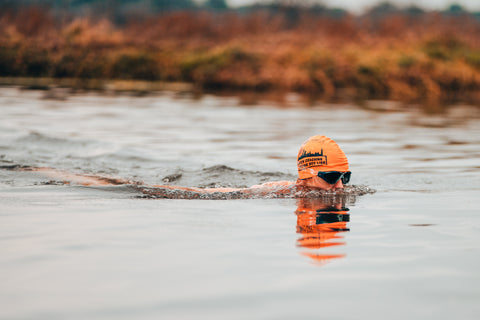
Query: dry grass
point(429, 57)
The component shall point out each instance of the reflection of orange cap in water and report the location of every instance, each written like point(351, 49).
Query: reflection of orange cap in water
point(320, 153)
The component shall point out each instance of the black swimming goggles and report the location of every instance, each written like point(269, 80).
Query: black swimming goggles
point(332, 177)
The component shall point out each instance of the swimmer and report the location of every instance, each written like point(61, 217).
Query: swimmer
point(321, 165)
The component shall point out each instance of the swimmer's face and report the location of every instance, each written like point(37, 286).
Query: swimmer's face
point(319, 183)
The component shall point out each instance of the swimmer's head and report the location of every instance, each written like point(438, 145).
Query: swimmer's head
point(318, 155)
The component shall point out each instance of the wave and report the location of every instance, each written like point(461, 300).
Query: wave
point(222, 176)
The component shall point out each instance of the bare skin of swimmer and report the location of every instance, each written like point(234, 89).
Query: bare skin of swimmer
point(319, 183)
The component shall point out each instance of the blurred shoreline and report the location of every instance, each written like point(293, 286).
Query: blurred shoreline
point(61, 89)
point(411, 56)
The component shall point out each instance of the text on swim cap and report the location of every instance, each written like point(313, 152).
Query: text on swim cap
point(312, 162)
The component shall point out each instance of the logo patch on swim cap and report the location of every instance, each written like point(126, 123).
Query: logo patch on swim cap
point(309, 160)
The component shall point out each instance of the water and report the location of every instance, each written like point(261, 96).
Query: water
point(73, 252)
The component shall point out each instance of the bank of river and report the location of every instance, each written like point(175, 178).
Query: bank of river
point(408, 251)
point(108, 85)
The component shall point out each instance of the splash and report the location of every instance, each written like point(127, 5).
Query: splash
point(347, 195)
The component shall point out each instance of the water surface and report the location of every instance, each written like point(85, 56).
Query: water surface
point(408, 251)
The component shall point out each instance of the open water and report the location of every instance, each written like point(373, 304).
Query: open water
point(409, 251)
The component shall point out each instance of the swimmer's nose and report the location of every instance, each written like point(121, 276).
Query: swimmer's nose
point(338, 185)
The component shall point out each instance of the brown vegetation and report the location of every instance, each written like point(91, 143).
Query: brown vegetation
point(411, 58)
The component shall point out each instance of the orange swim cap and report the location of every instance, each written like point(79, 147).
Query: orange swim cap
point(320, 153)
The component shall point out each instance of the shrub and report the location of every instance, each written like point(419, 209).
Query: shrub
point(33, 61)
point(135, 65)
point(8, 65)
point(406, 61)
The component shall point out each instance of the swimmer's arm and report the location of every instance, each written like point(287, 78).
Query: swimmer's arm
point(72, 178)
point(90, 180)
